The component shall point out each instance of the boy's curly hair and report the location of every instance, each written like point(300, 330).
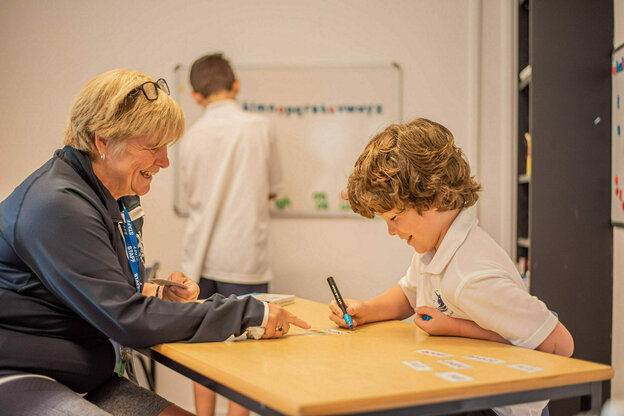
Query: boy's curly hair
point(412, 165)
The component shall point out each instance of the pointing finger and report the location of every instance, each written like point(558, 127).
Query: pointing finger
point(298, 322)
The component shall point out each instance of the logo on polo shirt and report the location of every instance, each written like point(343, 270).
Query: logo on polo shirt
point(437, 299)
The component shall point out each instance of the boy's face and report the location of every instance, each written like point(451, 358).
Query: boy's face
point(423, 232)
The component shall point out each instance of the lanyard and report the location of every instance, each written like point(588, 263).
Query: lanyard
point(132, 248)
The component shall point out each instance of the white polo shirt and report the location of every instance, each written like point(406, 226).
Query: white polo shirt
point(229, 165)
point(471, 277)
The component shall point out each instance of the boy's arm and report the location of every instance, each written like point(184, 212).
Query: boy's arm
point(441, 324)
point(559, 342)
point(392, 304)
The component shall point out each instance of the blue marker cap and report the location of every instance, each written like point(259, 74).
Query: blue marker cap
point(426, 317)
point(347, 318)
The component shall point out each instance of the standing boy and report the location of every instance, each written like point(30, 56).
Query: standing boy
point(230, 169)
point(415, 178)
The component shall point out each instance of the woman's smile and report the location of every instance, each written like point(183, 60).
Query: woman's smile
point(147, 174)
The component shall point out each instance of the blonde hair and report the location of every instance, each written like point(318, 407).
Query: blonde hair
point(104, 106)
point(412, 165)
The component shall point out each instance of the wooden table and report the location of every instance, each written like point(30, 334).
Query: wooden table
point(363, 371)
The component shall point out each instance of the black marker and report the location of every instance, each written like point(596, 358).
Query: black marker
point(339, 301)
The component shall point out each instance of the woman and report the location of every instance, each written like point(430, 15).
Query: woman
point(71, 264)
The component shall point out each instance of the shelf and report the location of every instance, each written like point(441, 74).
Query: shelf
point(523, 188)
point(524, 179)
point(524, 77)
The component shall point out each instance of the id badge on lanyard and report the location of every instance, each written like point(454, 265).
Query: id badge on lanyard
point(132, 248)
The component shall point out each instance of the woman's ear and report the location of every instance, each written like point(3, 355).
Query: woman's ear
point(101, 144)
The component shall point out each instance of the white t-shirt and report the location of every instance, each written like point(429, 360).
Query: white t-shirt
point(229, 166)
point(471, 277)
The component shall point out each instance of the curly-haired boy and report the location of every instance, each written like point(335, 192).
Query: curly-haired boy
point(460, 282)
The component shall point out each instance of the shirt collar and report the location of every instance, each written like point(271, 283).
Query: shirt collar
point(81, 163)
point(222, 104)
point(436, 261)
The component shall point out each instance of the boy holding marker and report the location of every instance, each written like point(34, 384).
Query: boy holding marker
point(460, 282)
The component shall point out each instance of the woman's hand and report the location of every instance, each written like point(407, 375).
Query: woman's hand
point(438, 324)
point(279, 322)
point(178, 294)
point(357, 309)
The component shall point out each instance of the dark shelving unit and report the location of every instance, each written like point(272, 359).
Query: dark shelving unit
point(563, 208)
point(523, 240)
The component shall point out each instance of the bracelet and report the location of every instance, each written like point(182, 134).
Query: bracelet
point(158, 290)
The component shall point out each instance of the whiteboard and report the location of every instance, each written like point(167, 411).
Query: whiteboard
point(617, 137)
point(324, 117)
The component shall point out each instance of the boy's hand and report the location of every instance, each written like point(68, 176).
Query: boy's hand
point(279, 322)
point(178, 294)
point(355, 308)
point(438, 324)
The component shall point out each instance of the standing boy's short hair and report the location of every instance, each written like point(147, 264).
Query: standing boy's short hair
point(211, 74)
point(412, 165)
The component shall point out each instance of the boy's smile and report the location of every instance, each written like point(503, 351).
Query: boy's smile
point(423, 232)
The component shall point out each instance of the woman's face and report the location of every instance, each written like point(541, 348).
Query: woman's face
point(129, 171)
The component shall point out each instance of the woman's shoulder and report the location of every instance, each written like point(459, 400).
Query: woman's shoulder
point(44, 194)
point(54, 191)
point(59, 185)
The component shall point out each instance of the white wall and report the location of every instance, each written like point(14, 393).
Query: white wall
point(617, 353)
point(455, 54)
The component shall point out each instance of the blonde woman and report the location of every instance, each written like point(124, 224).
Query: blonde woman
point(71, 263)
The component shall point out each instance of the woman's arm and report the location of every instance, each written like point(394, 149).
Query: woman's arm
point(84, 272)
